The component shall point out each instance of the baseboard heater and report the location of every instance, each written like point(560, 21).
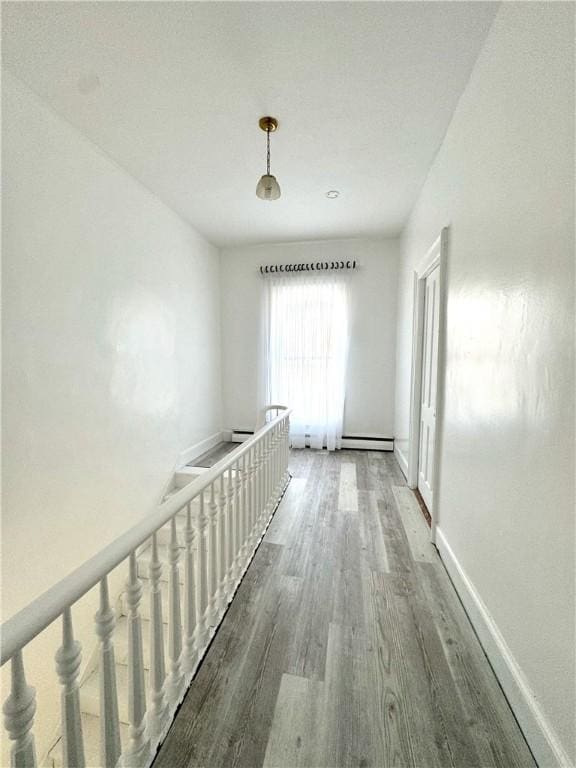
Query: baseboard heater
point(358, 442)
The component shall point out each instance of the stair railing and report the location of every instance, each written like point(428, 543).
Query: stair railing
point(227, 511)
point(265, 414)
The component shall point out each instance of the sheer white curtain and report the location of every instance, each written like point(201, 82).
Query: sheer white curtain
point(305, 346)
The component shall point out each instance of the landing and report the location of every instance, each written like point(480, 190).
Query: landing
point(210, 458)
point(345, 644)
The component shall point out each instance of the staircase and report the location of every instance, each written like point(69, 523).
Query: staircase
point(185, 562)
point(90, 685)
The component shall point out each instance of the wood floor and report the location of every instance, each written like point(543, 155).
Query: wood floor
point(345, 644)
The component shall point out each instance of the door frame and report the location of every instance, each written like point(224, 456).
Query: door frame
point(436, 256)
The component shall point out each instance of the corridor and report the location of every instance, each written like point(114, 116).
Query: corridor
point(345, 644)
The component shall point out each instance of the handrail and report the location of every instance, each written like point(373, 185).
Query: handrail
point(275, 408)
point(25, 625)
point(264, 412)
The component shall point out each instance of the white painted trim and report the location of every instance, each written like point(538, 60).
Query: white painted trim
point(402, 460)
point(415, 380)
point(196, 450)
point(539, 733)
point(436, 256)
point(430, 261)
point(440, 377)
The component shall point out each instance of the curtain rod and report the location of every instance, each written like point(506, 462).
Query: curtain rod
point(317, 266)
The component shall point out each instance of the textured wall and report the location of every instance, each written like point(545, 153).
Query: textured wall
point(111, 357)
point(503, 181)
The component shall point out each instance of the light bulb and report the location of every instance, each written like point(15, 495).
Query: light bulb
point(268, 188)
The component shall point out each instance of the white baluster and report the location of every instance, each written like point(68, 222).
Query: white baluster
point(19, 709)
point(230, 515)
point(278, 459)
point(250, 503)
point(275, 445)
point(265, 494)
point(255, 494)
point(158, 712)
point(110, 747)
point(68, 659)
point(271, 474)
point(139, 747)
point(273, 459)
point(213, 552)
point(283, 455)
point(287, 450)
point(202, 602)
point(266, 480)
point(269, 496)
point(190, 637)
point(174, 619)
point(262, 488)
point(222, 541)
point(273, 448)
point(243, 514)
point(259, 490)
point(237, 523)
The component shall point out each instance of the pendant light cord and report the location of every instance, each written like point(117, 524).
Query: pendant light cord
point(268, 151)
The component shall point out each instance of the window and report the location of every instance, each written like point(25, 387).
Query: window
point(306, 360)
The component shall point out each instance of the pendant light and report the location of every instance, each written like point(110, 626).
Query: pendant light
point(268, 188)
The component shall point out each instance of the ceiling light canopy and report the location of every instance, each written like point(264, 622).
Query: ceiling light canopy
point(268, 188)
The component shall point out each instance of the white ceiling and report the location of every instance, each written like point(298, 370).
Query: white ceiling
point(364, 93)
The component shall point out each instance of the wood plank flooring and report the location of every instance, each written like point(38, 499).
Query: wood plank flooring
point(346, 645)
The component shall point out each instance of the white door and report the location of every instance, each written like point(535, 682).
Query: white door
point(428, 397)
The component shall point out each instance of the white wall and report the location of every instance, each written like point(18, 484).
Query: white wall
point(369, 408)
point(503, 181)
point(111, 348)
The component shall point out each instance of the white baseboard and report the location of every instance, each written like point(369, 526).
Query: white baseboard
point(539, 733)
point(360, 442)
point(239, 437)
point(402, 460)
point(194, 451)
point(370, 444)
